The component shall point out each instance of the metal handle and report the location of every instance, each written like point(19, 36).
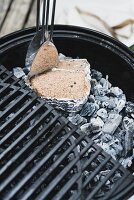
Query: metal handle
point(45, 19)
point(38, 16)
point(52, 20)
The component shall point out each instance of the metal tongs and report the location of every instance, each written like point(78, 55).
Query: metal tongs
point(42, 33)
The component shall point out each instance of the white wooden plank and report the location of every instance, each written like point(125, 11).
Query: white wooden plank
point(16, 16)
point(32, 17)
point(4, 4)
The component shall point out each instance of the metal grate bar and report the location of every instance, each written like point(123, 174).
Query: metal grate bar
point(19, 139)
point(8, 79)
point(18, 126)
point(11, 80)
point(34, 152)
point(37, 167)
point(24, 164)
point(44, 194)
point(22, 111)
point(62, 192)
point(91, 159)
point(64, 189)
point(94, 191)
point(14, 159)
point(48, 172)
point(123, 170)
point(125, 191)
point(5, 91)
point(6, 76)
point(114, 188)
point(86, 148)
point(12, 106)
point(8, 98)
point(96, 171)
point(29, 116)
point(4, 87)
point(16, 82)
point(2, 70)
point(76, 196)
point(41, 179)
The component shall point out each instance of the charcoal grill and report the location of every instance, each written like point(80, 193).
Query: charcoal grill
point(8, 77)
point(44, 156)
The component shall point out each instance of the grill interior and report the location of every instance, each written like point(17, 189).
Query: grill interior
point(44, 156)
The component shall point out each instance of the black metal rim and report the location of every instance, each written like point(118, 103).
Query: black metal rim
point(65, 31)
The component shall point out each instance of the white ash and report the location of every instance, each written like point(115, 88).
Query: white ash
point(102, 113)
point(127, 162)
point(130, 109)
point(96, 125)
point(128, 124)
point(88, 109)
point(10, 116)
point(18, 72)
point(91, 99)
point(112, 123)
point(102, 175)
point(62, 56)
point(128, 143)
point(107, 118)
point(77, 119)
point(116, 91)
point(120, 105)
point(96, 74)
point(86, 128)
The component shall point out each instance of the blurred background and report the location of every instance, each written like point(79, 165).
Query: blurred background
point(113, 17)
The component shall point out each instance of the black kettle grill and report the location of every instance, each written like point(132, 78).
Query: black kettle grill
point(44, 156)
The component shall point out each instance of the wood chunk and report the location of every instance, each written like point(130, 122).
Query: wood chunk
point(65, 82)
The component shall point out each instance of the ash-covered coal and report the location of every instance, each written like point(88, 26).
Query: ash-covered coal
point(107, 118)
point(18, 72)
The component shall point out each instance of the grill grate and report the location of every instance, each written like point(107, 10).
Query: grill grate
point(36, 145)
point(101, 175)
point(8, 77)
point(43, 156)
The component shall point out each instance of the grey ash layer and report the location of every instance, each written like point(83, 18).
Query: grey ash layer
point(107, 118)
